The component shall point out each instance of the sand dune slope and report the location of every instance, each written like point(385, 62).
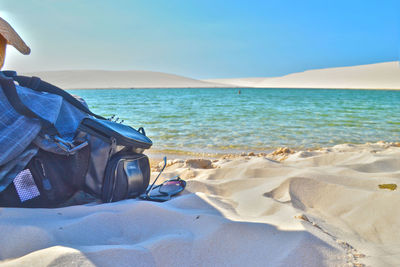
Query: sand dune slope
point(319, 208)
point(99, 79)
point(373, 76)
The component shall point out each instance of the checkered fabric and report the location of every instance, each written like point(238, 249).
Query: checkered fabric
point(18, 133)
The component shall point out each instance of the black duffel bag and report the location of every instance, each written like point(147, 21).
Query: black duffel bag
point(104, 160)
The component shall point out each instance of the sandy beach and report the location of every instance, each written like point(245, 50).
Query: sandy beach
point(332, 206)
point(328, 207)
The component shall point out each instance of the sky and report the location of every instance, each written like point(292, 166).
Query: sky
point(205, 38)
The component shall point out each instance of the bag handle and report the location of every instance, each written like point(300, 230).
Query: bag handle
point(37, 84)
point(10, 91)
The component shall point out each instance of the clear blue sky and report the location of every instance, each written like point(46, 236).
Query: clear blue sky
point(204, 38)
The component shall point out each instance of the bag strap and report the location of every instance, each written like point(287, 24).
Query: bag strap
point(37, 84)
point(10, 91)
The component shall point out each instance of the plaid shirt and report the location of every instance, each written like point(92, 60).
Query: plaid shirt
point(17, 132)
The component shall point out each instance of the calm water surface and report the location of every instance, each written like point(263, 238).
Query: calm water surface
point(221, 120)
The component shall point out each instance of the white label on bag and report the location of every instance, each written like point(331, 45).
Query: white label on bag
point(25, 186)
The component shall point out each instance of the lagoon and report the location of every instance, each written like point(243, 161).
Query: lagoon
point(222, 121)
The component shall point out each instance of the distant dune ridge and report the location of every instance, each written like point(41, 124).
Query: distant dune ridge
point(373, 76)
point(101, 79)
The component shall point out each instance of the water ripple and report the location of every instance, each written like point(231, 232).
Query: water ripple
point(216, 120)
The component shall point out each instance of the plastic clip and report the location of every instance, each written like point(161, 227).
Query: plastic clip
point(67, 146)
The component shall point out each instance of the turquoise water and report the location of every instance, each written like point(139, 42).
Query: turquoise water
point(221, 120)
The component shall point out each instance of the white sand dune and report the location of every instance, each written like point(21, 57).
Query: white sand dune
point(373, 76)
point(319, 208)
point(101, 79)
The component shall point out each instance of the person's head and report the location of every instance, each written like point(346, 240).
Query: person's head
point(3, 44)
point(9, 36)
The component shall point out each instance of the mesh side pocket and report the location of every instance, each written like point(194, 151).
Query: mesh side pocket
point(25, 186)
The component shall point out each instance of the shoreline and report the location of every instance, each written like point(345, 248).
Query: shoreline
point(235, 87)
point(160, 153)
point(279, 154)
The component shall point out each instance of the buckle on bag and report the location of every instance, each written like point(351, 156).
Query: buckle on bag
point(65, 145)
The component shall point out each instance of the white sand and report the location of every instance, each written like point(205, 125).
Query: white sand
point(319, 208)
point(373, 76)
point(101, 79)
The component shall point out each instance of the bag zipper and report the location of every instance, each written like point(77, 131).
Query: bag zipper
point(122, 140)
